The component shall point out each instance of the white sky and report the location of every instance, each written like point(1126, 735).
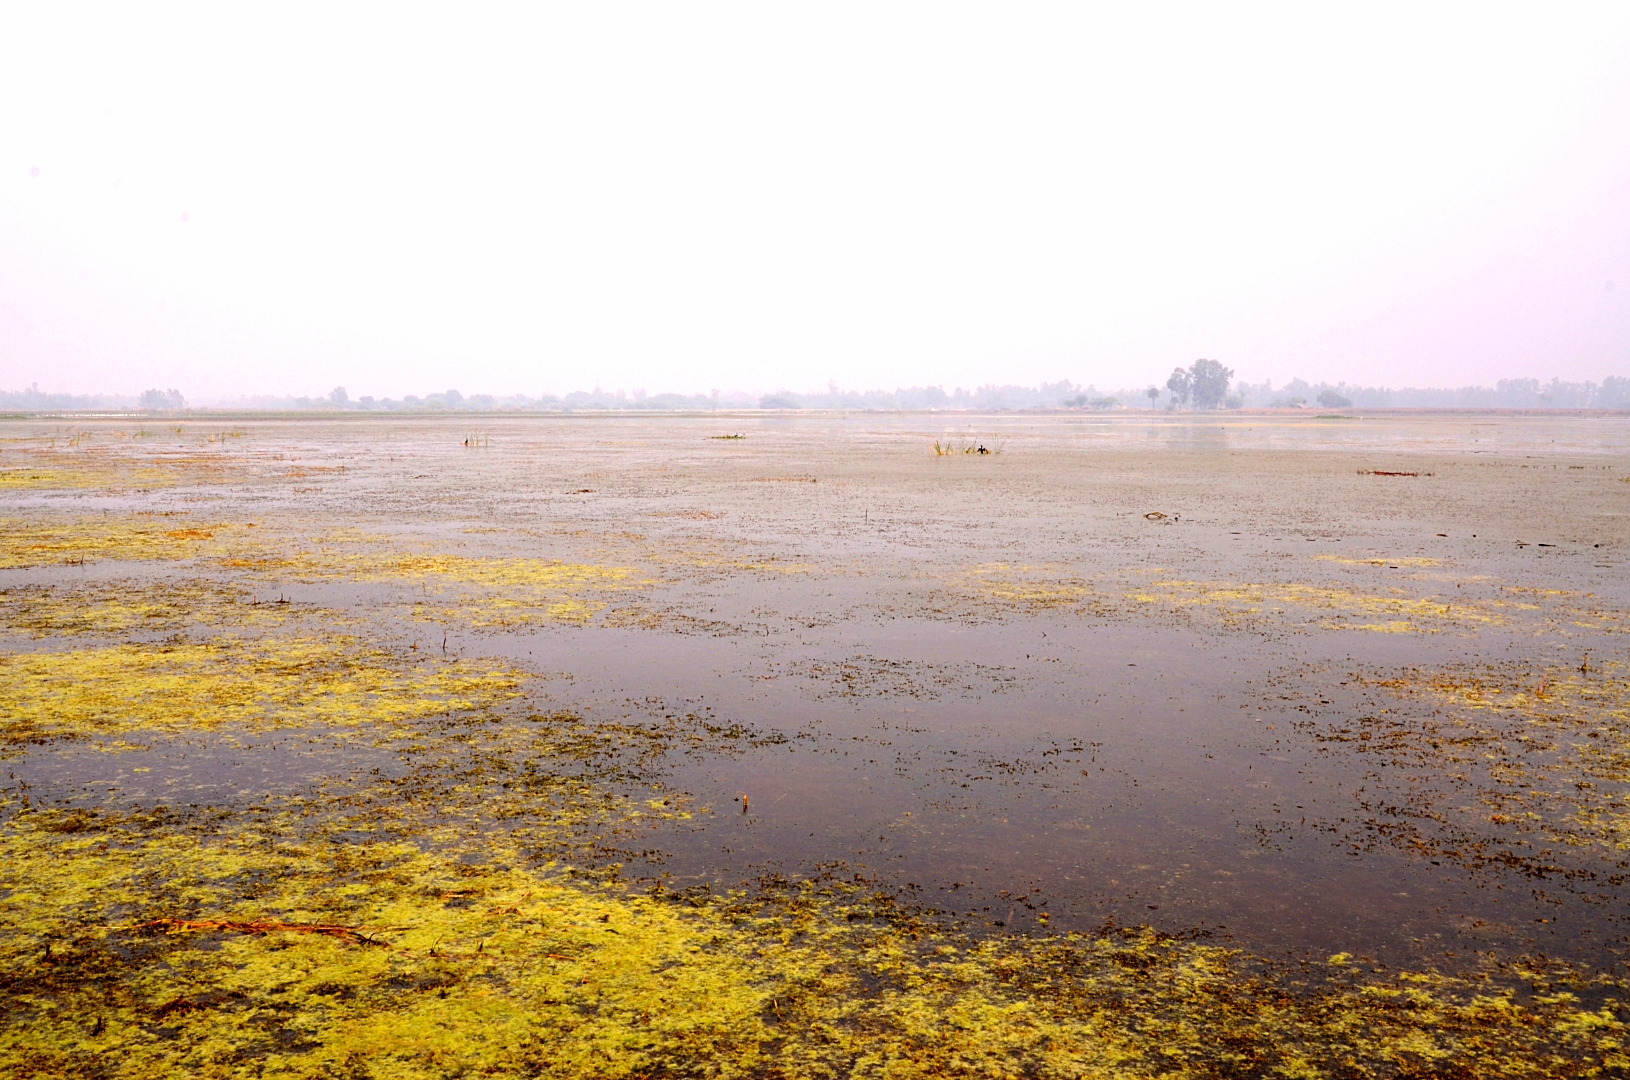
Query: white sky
point(688, 197)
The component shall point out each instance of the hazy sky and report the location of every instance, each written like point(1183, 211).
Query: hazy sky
point(691, 196)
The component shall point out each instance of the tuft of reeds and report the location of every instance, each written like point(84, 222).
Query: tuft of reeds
point(974, 447)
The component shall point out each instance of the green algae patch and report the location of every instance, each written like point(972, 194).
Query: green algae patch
point(154, 944)
point(249, 683)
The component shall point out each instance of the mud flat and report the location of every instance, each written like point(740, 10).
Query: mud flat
point(815, 745)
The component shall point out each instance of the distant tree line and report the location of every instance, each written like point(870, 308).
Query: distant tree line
point(1205, 384)
point(1612, 392)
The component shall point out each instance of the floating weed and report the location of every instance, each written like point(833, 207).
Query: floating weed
point(249, 682)
point(124, 607)
point(1336, 608)
point(1413, 562)
point(29, 542)
point(1023, 587)
point(493, 573)
point(72, 469)
point(1500, 767)
point(724, 563)
point(139, 946)
point(474, 591)
point(57, 478)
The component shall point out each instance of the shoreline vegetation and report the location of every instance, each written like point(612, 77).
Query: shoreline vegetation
point(1612, 393)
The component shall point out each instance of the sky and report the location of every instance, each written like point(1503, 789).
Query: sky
point(280, 199)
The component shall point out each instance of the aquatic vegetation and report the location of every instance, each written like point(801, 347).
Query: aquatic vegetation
point(491, 573)
point(64, 472)
point(1024, 587)
point(32, 542)
point(317, 852)
point(1333, 608)
point(123, 607)
point(296, 944)
point(53, 478)
point(1408, 562)
point(872, 678)
point(669, 619)
point(725, 563)
point(1502, 769)
point(474, 591)
point(477, 591)
point(73, 467)
point(245, 683)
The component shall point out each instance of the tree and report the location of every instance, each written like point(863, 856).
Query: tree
point(1180, 385)
point(338, 396)
point(1153, 395)
point(162, 399)
point(1332, 400)
point(1208, 383)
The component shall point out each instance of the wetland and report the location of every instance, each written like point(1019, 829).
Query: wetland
point(815, 745)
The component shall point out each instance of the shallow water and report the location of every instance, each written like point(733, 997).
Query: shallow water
point(993, 683)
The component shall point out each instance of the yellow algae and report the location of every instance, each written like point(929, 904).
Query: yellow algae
point(32, 543)
point(60, 471)
point(133, 949)
point(770, 565)
point(1407, 614)
point(491, 573)
point(1411, 562)
point(492, 611)
point(1024, 586)
point(484, 592)
point(388, 930)
point(51, 478)
point(123, 607)
point(97, 475)
point(1544, 750)
point(495, 573)
point(251, 683)
point(1392, 626)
